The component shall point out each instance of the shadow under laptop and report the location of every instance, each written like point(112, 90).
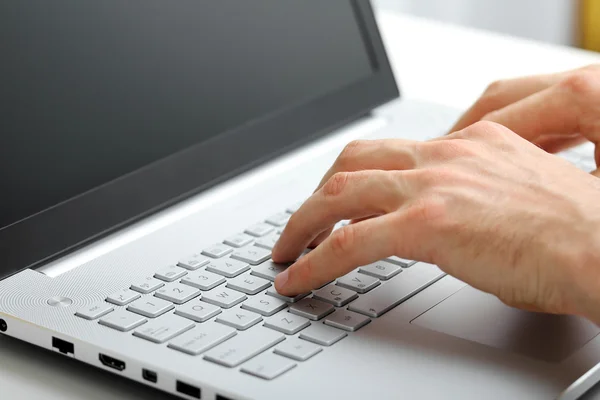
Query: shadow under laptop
point(52, 373)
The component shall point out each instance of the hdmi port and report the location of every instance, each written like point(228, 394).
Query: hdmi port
point(111, 362)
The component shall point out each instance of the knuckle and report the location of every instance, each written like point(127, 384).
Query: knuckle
point(583, 84)
point(342, 241)
point(428, 211)
point(349, 152)
point(454, 148)
point(494, 88)
point(336, 184)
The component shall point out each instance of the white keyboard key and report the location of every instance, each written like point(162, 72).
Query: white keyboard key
point(267, 242)
point(203, 280)
point(165, 328)
point(170, 273)
point(279, 219)
point(243, 347)
point(150, 307)
point(287, 323)
point(293, 208)
point(269, 270)
point(95, 311)
point(239, 240)
point(123, 297)
point(193, 261)
point(264, 305)
point(248, 284)
point(198, 311)
point(347, 320)
point(227, 267)
point(239, 319)
point(335, 295)
point(177, 293)
point(358, 282)
point(252, 255)
point(259, 230)
point(403, 262)
point(223, 297)
point(384, 298)
point(311, 309)
point(273, 292)
point(148, 285)
point(202, 338)
point(381, 270)
point(217, 250)
point(268, 366)
point(122, 320)
point(296, 349)
point(322, 334)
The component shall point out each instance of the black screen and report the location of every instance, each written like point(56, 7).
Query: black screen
point(91, 91)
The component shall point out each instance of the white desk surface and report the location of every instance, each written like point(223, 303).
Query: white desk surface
point(436, 62)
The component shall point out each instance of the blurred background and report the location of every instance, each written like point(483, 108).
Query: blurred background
point(564, 22)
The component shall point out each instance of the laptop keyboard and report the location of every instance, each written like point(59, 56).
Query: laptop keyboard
point(199, 305)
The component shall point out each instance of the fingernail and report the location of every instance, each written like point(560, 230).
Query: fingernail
point(281, 280)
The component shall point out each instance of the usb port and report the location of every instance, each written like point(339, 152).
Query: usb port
point(188, 390)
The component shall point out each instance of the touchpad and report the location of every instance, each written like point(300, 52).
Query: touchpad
point(477, 316)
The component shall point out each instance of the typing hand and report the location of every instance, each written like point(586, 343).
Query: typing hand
point(484, 204)
point(555, 111)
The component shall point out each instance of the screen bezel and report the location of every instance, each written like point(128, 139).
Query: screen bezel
point(76, 222)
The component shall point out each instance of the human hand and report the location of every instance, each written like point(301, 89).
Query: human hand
point(554, 111)
point(484, 204)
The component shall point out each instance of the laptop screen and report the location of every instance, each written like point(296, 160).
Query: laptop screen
point(93, 92)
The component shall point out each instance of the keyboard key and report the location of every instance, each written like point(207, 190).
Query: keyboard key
point(150, 307)
point(267, 242)
point(193, 261)
point(170, 273)
point(223, 297)
point(148, 285)
point(381, 270)
point(273, 292)
point(260, 230)
point(122, 320)
point(335, 295)
point(198, 311)
point(311, 309)
point(248, 284)
point(296, 349)
point(95, 311)
point(268, 366)
point(287, 323)
point(203, 280)
point(279, 219)
point(217, 250)
point(243, 347)
point(165, 328)
point(239, 240)
point(322, 334)
point(202, 338)
point(239, 319)
point(403, 262)
point(123, 297)
point(268, 270)
point(358, 282)
point(227, 267)
point(384, 298)
point(177, 293)
point(252, 255)
point(264, 305)
point(293, 208)
point(347, 320)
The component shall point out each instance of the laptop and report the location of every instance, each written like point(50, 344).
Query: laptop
point(151, 152)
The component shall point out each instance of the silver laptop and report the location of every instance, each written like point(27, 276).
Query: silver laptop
point(151, 152)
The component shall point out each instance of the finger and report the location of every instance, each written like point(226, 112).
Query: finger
point(549, 111)
point(557, 143)
point(346, 195)
point(596, 173)
point(500, 94)
point(347, 248)
point(323, 235)
point(386, 155)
